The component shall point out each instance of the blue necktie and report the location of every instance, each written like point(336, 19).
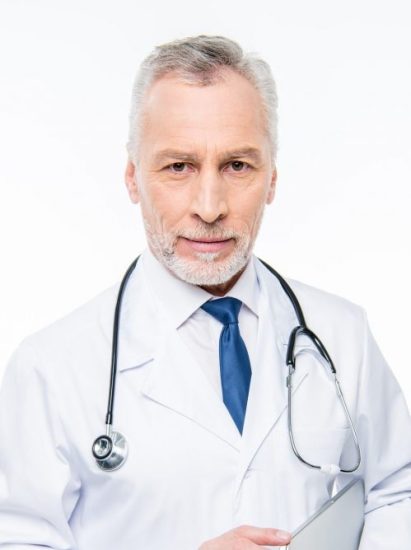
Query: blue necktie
point(234, 361)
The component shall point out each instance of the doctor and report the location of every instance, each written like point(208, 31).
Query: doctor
point(209, 461)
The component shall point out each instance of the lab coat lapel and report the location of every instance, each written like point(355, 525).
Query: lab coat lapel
point(176, 381)
point(267, 399)
point(173, 378)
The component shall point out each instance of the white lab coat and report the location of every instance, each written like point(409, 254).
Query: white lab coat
point(190, 476)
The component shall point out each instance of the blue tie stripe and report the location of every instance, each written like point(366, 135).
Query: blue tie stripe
point(235, 365)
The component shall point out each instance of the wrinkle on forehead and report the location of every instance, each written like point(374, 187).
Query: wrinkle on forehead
point(230, 105)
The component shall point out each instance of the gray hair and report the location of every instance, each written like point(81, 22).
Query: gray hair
point(198, 60)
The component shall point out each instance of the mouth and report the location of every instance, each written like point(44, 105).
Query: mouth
point(207, 245)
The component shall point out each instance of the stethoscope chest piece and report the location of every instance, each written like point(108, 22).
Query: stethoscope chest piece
point(110, 451)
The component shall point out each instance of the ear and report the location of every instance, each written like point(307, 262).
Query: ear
point(131, 183)
point(271, 190)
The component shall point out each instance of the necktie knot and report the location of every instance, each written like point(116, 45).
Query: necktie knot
point(225, 310)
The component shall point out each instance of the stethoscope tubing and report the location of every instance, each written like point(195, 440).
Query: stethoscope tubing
point(114, 349)
point(110, 450)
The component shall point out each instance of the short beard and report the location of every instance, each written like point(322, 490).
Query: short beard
point(206, 269)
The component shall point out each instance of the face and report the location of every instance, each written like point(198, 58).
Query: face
point(203, 176)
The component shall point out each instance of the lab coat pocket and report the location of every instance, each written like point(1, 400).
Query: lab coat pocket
point(322, 447)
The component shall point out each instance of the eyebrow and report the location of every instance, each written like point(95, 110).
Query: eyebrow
point(250, 152)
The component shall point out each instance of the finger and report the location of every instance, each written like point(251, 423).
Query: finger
point(263, 535)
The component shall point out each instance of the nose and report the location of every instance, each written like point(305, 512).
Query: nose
point(209, 200)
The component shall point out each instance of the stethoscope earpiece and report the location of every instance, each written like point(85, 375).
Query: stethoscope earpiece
point(110, 452)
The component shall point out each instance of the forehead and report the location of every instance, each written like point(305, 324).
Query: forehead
point(225, 114)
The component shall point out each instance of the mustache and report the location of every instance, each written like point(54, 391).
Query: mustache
point(208, 231)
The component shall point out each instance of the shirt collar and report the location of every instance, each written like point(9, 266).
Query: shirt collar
point(247, 287)
point(180, 299)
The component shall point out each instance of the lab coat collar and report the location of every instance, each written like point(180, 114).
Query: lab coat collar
point(138, 338)
point(180, 299)
point(148, 332)
point(167, 300)
point(174, 379)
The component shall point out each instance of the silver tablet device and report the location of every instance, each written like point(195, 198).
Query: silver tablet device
point(337, 525)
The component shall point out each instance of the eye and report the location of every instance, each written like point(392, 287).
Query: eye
point(177, 167)
point(239, 166)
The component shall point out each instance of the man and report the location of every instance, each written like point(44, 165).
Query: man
point(200, 392)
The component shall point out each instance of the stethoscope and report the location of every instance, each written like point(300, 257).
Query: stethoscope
point(110, 450)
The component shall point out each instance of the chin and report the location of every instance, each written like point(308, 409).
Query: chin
point(206, 269)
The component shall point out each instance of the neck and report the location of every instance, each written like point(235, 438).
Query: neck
point(221, 290)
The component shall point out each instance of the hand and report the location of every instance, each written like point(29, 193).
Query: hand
point(247, 537)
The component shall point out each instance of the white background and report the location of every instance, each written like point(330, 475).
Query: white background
point(341, 218)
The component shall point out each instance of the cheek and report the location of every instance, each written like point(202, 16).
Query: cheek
point(247, 208)
point(161, 207)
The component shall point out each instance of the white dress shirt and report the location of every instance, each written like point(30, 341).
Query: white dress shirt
point(199, 330)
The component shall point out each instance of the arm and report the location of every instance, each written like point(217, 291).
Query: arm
point(38, 489)
point(384, 427)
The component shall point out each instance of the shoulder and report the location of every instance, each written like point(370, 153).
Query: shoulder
point(323, 311)
point(69, 338)
point(81, 321)
point(317, 302)
point(80, 341)
point(340, 323)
